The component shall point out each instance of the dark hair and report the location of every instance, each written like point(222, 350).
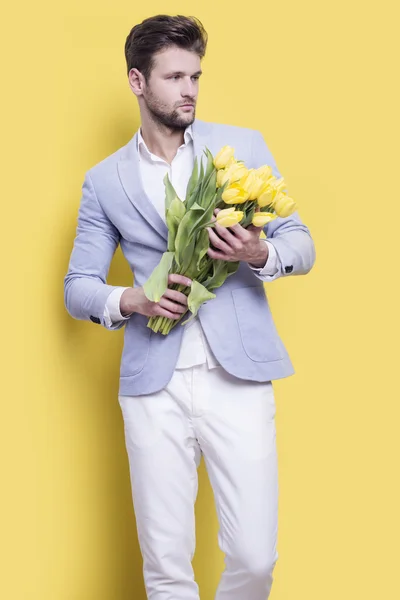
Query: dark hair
point(159, 32)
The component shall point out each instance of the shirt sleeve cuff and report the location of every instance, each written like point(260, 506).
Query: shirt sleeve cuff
point(112, 311)
point(271, 267)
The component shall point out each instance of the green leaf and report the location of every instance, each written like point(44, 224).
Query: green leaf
point(208, 188)
point(200, 193)
point(201, 243)
point(173, 224)
point(194, 194)
point(201, 176)
point(183, 241)
point(218, 274)
point(249, 210)
point(205, 217)
point(185, 236)
point(210, 162)
point(198, 295)
point(174, 216)
point(196, 206)
point(188, 255)
point(205, 198)
point(221, 271)
point(177, 208)
point(170, 193)
point(191, 186)
point(232, 267)
point(157, 283)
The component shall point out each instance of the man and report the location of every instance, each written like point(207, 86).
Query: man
point(206, 388)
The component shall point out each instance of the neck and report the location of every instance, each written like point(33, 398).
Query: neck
point(161, 140)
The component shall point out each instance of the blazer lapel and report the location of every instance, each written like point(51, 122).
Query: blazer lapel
point(131, 179)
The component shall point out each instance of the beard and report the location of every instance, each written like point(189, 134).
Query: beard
point(170, 118)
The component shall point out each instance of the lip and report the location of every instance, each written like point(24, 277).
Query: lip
point(187, 106)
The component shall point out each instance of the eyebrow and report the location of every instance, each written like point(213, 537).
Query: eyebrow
point(182, 73)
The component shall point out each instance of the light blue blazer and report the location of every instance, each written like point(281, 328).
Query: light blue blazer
point(238, 323)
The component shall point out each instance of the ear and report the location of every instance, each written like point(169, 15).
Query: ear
point(136, 81)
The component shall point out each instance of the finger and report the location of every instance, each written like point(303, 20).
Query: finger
point(162, 312)
point(225, 233)
point(234, 242)
point(254, 229)
point(217, 242)
point(176, 296)
point(239, 231)
point(215, 254)
point(181, 279)
point(171, 306)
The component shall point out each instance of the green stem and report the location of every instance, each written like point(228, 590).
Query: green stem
point(157, 324)
point(210, 224)
point(164, 324)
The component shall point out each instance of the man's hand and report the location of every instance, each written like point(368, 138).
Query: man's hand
point(172, 304)
point(237, 243)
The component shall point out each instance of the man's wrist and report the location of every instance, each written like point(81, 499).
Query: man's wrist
point(127, 302)
point(262, 256)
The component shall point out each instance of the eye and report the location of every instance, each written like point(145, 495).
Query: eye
point(195, 77)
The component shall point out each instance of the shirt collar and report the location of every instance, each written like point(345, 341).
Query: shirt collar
point(188, 137)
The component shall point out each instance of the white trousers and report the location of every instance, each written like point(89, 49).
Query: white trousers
point(232, 423)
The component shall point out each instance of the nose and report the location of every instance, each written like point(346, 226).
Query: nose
point(188, 88)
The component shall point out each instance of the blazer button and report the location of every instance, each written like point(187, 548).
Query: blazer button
point(289, 269)
point(95, 320)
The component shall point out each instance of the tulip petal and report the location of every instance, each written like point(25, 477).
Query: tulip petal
point(261, 218)
point(229, 217)
point(223, 157)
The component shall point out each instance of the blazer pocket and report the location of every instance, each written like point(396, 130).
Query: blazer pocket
point(258, 333)
point(136, 345)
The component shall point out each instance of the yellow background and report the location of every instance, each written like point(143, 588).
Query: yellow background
point(320, 81)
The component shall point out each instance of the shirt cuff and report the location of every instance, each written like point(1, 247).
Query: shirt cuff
point(112, 311)
point(272, 265)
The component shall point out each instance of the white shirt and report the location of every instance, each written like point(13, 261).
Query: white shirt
point(195, 349)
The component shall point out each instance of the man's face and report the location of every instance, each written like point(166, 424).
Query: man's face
point(171, 93)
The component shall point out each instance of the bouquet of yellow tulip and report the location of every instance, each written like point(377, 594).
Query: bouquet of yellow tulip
point(224, 183)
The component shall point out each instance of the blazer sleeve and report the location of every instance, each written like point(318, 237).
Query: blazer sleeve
point(290, 237)
point(85, 286)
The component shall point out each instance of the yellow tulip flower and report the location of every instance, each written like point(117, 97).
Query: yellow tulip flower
point(252, 183)
point(264, 172)
point(231, 161)
point(276, 184)
point(220, 177)
point(266, 198)
point(284, 205)
point(270, 191)
point(234, 194)
point(262, 218)
point(233, 173)
point(279, 184)
point(223, 157)
point(229, 217)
